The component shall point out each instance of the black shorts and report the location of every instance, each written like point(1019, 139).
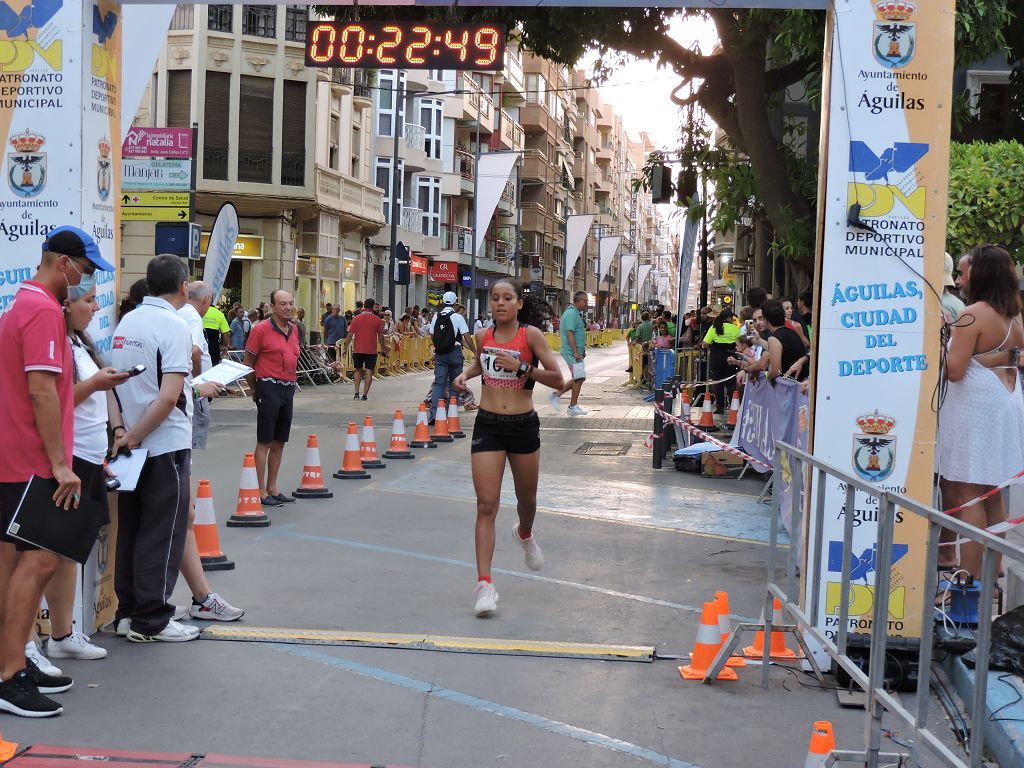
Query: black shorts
point(10, 497)
point(94, 482)
point(512, 433)
point(273, 412)
point(360, 360)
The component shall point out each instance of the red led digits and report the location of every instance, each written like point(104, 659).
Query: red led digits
point(460, 45)
point(384, 50)
point(346, 36)
point(486, 41)
point(319, 51)
point(412, 53)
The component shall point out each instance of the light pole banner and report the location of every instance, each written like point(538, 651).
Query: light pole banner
point(145, 32)
point(492, 174)
point(641, 279)
point(576, 228)
point(625, 268)
point(606, 248)
point(877, 320)
point(221, 248)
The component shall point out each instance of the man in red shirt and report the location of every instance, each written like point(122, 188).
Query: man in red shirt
point(37, 411)
point(364, 332)
point(273, 351)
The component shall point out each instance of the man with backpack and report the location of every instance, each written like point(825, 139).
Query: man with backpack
point(449, 333)
point(365, 332)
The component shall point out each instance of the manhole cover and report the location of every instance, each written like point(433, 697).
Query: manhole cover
point(604, 449)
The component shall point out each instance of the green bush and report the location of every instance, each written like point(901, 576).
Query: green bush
point(986, 197)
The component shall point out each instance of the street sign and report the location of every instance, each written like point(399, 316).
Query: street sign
point(154, 174)
point(155, 199)
point(157, 142)
point(154, 214)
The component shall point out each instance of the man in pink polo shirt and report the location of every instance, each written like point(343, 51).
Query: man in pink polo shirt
point(37, 412)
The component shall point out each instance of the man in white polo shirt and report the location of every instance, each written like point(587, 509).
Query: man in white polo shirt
point(157, 407)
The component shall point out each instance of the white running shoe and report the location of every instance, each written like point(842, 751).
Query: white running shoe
point(215, 608)
point(123, 626)
point(172, 633)
point(555, 400)
point(575, 410)
point(531, 550)
point(180, 612)
point(32, 652)
point(486, 599)
point(75, 646)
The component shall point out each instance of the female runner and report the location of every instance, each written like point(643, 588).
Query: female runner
point(506, 426)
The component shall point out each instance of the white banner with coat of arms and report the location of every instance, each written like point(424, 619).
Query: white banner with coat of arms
point(59, 169)
point(883, 218)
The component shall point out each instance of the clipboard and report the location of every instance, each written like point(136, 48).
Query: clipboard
point(70, 533)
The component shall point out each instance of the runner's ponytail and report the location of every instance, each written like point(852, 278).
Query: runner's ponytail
point(535, 311)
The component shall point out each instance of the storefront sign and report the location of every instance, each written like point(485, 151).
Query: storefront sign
point(157, 142)
point(246, 246)
point(444, 272)
point(330, 267)
point(305, 267)
point(419, 265)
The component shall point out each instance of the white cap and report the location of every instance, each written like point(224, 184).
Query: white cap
point(450, 298)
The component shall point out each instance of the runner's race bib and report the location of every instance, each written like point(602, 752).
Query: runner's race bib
point(487, 361)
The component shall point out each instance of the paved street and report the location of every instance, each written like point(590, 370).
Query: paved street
point(630, 555)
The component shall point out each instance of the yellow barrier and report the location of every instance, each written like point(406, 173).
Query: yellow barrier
point(554, 341)
point(636, 365)
point(686, 363)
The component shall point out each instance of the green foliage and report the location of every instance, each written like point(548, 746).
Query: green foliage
point(985, 203)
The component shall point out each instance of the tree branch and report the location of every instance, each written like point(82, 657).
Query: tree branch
point(781, 77)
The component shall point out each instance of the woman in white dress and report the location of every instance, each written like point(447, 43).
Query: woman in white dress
point(981, 419)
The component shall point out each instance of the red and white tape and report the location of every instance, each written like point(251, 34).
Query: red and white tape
point(671, 419)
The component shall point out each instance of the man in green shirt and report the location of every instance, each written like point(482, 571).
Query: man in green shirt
point(218, 334)
point(573, 332)
point(644, 331)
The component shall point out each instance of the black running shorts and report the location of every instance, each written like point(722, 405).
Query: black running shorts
point(273, 412)
point(512, 433)
point(360, 360)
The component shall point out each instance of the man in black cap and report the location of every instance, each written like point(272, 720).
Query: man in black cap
point(37, 411)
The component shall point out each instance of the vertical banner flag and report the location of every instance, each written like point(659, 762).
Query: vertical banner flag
point(60, 121)
point(687, 248)
point(626, 265)
point(145, 31)
point(883, 219)
point(221, 248)
point(641, 279)
point(576, 228)
point(493, 170)
point(606, 247)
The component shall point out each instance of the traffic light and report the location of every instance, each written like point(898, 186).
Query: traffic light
point(661, 184)
point(687, 186)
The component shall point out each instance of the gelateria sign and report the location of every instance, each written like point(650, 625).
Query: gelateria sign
point(246, 246)
point(883, 219)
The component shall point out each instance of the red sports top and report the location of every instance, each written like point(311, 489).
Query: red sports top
point(518, 347)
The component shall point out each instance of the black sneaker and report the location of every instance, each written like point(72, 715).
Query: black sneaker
point(20, 696)
point(283, 498)
point(356, 397)
point(364, 397)
point(47, 683)
point(271, 501)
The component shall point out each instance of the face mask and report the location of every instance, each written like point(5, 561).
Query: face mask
point(86, 284)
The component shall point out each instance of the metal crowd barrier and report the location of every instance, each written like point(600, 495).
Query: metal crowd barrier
point(914, 718)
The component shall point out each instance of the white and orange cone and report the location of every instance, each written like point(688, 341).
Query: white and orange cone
point(823, 742)
point(205, 530)
point(249, 510)
point(707, 414)
point(399, 446)
point(734, 408)
point(312, 484)
point(704, 650)
point(351, 464)
point(725, 626)
point(440, 433)
point(777, 649)
point(421, 437)
point(454, 428)
point(368, 447)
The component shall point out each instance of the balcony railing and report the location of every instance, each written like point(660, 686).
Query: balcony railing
point(415, 136)
point(215, 163)
point(465, 164)
point(293, 168)
point(183, 18)
point(255, 166)
point(412, 219)
point(508, 194)
point(456, 238)
point(479, 102)
point(511, 131)
point(514, 71)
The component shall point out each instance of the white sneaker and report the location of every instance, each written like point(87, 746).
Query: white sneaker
point(486, 599)
point(75, 646)
point(215, 608)
point(180, 612)
point(122, 627)
point(172, 633)
point(32, 652)
point(555, 400)
point(531, 550)
point(575, 410)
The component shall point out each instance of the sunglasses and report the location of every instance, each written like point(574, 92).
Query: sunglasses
point(83, 269)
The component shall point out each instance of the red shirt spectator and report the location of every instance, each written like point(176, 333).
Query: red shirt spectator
point(365, 329)
point(33, 337)
point(276, 352)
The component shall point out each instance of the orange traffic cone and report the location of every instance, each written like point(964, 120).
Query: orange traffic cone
point(822, 744)
point(312, 485)
point(249, 510)
point(725, 626)
point(777, 648)
point(707, 414)
point(441, 434)
point(454, 429)
point(704, 650)
point(7, 749)
point(368, 447)
point(734, 408)
point(351, 465)
point(421, 437)
point(399, 447)
point(205, 530)
point(685, 408)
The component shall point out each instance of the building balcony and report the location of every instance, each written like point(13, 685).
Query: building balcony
point(535, 115)
point(215, 163)
point(457, 239)
point(358, 203)
point(255, 166)
point(414, 153)
point(412, 220)
point(603, 184)
point(477, 106)
point(511, 132)
point(293, 169)
point(515, 80)
point(536, 166)
point(605, 154)
point(507, 201)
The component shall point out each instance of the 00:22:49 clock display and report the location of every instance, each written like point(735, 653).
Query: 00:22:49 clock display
point(419, 45)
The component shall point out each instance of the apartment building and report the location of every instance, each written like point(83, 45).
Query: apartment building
point(287, 145)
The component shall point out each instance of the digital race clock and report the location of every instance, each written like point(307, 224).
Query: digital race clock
point(405, 45)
